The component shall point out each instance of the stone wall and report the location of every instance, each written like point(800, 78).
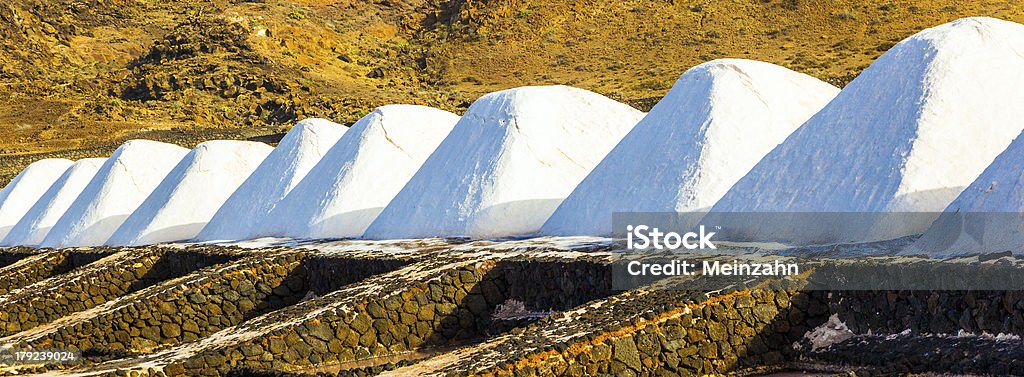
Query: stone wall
point(549, 283)
point(916, 304)
point(382, 316)
point(186, 308)
point(901, 355)
point(28, 269)
point(328, 273)
point(932, 312)
point(757, 331)
point(216, 311)
point(113, 276)
point(719, 337)
point(422, 306)
point(645, 333)
point(13, 254)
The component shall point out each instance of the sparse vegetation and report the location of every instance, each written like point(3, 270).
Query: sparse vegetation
point(845, 15)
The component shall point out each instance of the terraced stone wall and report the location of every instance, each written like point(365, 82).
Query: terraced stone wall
point(932, 312)
point(304, 311)
point(208, 300)
point(328, 273)
point(720, 337)
point(391, 315)
point(548, 284)
point(113, 276)
point(374, 318)
point(927, 296)
point(916, 355)
point(647, 333)
point(31, 268)
point(186, 308)
point(14, 254)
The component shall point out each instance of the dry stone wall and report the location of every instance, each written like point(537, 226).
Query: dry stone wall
point(106, 279)
point(328, 273)
point(29, 269)
point(930, 312)
point(549, 282)
point(431, 304)
point(392, 313)
point(908, 354)
point(926, 296)
point(14, 254)
point(215, 311)
point(183, 309)
point(643, 333)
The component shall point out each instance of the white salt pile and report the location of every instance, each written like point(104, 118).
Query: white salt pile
point(360, 175)
point(508, 163)
point(191, 193)
point(36, 223)
point(25, 189)
point(717, 122)
point(907, 135)
point(294, 156)
point(117, 189)
point(987, 217)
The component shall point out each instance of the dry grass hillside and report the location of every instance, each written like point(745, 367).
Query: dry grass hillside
point(77, 77)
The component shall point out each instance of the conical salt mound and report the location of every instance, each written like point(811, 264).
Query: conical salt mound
point(117, 189)
point(907, 135)
point(37, 222)
point(294, 156)
point(26, 188)
point(360, 175)
point(717, 122)
point(987, 217)
point(511, 159)
point(191, 193)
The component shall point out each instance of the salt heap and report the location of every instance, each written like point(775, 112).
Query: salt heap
point(294, 156)
point(25, 189)
point(719, 119)
point(511, 159)
point(37, 222)
point(117, 189)
point(360, 175)
point(907, 135)
point(987, 217)
point(191, 193)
